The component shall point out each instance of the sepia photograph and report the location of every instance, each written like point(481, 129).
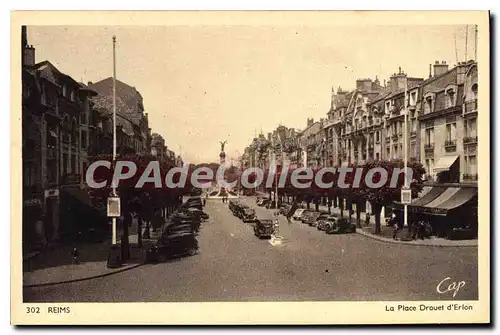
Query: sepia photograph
point(249, 158)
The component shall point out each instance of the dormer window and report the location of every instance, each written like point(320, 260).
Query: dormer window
point(428, 104)
point(474, 90)
point(450, 96)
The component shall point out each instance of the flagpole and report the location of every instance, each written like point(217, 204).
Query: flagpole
point(114, 132)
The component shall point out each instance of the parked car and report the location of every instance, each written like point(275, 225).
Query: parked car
point(263, 228)
point(248, 215)
point(311, 217)
point(298, 213)
point(181, 243)
point(342, 226)
point(305, 216)
point(313, 222)
point(326, 224)
point(263, 202)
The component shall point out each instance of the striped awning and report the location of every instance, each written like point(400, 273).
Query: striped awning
point(439, 200)
point(444, 163)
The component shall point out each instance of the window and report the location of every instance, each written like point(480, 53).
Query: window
point(84, 139)
point(429, 136)
point(449, 100)
point(413, 150)
point(471, 164)
point(413, 98)
point(470, 127)
point(73, 95)
point(377, 137)
point(73, 167)
point(474, 90)
point(29, 174)
point(395, 152)
point(428, 105)
point(451, 132)
point(388, 152)
point(377, 156)
point(64, 91)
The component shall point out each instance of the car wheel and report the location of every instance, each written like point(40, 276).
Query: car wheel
point(192, 251)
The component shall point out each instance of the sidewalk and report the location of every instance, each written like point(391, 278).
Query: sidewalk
point(55, 266)
point(386, 232)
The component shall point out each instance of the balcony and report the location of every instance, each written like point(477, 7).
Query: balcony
point(413, 133)
point(470, 107)
point(470, 177)
point(356, 152)
point(470, 140)
point(395, 137)
point(450, 146)
point(387, 139)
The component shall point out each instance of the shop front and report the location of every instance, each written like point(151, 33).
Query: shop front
point(448, 209)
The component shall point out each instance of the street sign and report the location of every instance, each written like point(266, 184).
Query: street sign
point(114, 209)
point(405, 196)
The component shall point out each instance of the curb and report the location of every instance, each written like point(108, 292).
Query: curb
point(102, 275)
point(417, 244)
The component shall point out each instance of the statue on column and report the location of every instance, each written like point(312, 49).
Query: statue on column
point(222, 144)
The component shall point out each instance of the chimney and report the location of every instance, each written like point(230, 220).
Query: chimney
point(89, 83)
point(364, 84)
point(310, 121)
point(440, 68)
point(398, 81)
point(28, 52)
point(430, 70)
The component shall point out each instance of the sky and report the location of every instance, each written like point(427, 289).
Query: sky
point(205, 84)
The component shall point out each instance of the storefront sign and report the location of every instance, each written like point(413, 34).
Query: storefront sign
point(51, 193)
point(32, 202)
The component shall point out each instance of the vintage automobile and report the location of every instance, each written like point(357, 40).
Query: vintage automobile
point(195, 212)
point(240, 211)
point(342, 226)
point(326, 224)
point(298, 213)
point(263, 228)
point(263, 202)
point(313, 221)
point(248, 215)
point(305, 216)
point(177, 239)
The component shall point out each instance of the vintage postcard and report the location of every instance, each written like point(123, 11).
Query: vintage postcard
point(250, 168)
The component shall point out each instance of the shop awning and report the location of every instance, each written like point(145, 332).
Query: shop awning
point(432, 194)
point(444, 163)
point(464, 195)
point(440, 199)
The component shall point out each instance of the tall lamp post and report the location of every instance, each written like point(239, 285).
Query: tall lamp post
point(406, 198)
point(114, 259)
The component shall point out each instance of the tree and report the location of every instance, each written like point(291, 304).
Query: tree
point(144, 200)
point(386, 195)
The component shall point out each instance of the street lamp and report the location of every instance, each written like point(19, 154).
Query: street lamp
point(404, 198)
point(114, 259)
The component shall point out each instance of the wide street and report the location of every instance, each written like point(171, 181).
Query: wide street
point(234, 265)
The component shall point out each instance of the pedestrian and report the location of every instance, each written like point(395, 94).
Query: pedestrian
point(75, 255)
point(367, 219)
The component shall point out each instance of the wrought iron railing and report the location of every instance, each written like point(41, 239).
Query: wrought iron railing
point(470, 139)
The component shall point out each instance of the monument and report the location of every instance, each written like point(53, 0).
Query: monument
point(218, 191)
